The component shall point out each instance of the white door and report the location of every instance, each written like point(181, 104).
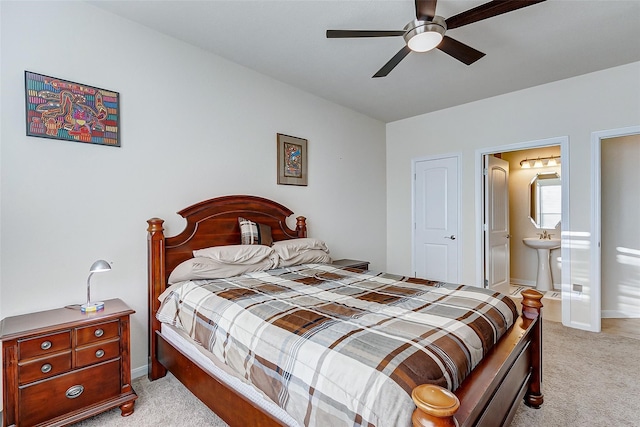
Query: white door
point(436, 214)
point(496, 225)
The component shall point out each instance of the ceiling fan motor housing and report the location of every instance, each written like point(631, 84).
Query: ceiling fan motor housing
point(421, 35)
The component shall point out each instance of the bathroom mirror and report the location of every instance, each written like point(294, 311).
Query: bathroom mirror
point(545, 200)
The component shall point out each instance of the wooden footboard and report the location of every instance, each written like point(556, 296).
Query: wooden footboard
point(490, 395)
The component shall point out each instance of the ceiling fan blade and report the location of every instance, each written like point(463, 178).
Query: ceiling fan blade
point(459, 50)
point(425, 9)
point(341, 34)
point(386, 68)
point(487, 10)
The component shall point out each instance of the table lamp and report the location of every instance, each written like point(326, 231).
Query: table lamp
point(97, 267)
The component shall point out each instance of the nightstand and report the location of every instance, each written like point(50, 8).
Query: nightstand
point(352, 263)
point(61, 366)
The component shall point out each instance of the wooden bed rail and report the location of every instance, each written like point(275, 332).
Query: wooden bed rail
point(437, 406)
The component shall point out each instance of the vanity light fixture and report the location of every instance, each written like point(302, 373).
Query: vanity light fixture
point(97, 267)
point(540, 162)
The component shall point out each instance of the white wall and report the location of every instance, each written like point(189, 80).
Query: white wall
point(574, 107)
point(194, 126)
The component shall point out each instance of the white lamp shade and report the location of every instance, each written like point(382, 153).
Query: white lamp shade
point(99, 266)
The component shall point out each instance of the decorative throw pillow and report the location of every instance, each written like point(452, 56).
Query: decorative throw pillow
point(254, 233)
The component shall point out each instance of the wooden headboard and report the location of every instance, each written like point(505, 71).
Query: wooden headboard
point(213, 222)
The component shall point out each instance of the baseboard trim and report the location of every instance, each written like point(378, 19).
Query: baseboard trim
point(616, 314)
point(522, 282)
point(532, 284)
point(139, 372)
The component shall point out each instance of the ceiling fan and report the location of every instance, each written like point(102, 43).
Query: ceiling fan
point(427, 31)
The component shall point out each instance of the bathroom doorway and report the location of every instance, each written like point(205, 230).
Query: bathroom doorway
point(532, 165)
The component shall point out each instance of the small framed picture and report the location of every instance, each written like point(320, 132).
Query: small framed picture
point(60, 109)
point(292, 160)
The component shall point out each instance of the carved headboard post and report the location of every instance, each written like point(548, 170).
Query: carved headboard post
point(301, 226)
point(156, 277)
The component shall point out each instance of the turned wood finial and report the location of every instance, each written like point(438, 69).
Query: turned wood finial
point(155, 224)
point(531, 303)
point(301, 226)
point(436, 406)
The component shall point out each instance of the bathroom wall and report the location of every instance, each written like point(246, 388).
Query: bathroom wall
point(524, 259)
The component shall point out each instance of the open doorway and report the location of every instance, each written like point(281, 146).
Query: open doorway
point(535, 169)
point(614, 259)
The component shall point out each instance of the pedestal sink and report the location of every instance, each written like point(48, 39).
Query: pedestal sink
point(543, 247)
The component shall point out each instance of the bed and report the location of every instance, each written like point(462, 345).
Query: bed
point(489, 395)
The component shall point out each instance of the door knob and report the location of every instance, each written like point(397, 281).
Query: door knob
point(508, 236)
point(452, 237)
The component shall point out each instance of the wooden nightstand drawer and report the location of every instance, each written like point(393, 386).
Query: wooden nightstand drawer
point(44, 368)
point(42, 345)
point(61, 366)
point(68, 392)
point(99, 332)
point(97, 353)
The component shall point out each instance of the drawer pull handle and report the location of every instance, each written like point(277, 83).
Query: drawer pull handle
point(46, 345)
point(98, 333)
point(74, 391)
point(46, 368)
point(99, 353)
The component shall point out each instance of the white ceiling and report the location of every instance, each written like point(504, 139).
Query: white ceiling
point(286, 40)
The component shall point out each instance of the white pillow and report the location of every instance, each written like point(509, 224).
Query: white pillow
point(237, 254)
point(307, 256)
point(287, 249)
point(206, 268)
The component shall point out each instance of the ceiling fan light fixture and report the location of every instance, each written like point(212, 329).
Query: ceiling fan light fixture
point(422, 36)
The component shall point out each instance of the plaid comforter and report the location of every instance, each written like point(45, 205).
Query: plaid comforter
point(340, 347)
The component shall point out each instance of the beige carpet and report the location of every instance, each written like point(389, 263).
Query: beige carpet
point(589, 380)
